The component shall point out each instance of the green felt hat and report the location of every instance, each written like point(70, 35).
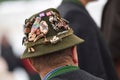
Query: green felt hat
point(46, 32)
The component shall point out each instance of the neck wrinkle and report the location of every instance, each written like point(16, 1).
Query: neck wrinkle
point(84, 2)
point(46, 70)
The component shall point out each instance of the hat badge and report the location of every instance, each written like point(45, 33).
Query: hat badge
point(37, 28)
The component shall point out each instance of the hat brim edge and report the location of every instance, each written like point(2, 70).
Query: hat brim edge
point(40, 50)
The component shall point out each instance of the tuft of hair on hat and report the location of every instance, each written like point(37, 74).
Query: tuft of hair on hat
point(45, 29)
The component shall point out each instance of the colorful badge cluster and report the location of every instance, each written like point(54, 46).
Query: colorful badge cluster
point(36, 28)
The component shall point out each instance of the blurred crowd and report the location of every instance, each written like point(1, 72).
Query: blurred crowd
point(105, 48)
point(11, 66)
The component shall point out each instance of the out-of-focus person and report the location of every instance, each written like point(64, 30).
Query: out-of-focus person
point(8, 54)
point(51, 47)
point(14, 64)
point(94, 55)
point(110, 27)
point(4, 72)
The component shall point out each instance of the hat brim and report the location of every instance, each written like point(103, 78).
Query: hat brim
point(66, 42)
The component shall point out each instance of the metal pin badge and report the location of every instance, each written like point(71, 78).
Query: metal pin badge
point(48, 13)
point(42, 14)
point(55, 39)
point(43, 27)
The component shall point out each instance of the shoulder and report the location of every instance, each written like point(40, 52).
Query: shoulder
point(77, 74)
point(73, 11)
point(67, 7)
point(87, 76)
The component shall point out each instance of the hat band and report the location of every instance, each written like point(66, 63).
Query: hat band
point(51, 39)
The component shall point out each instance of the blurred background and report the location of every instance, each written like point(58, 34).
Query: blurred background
point(12, 16)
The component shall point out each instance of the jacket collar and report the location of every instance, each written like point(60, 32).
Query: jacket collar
point(59, 70)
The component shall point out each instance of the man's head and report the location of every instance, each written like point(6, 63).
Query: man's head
point(45, 36)
point(85, 2)
point(49, 41)
point(60, 58)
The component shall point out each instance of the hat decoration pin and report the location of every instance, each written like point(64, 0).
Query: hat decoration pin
point(45, 32)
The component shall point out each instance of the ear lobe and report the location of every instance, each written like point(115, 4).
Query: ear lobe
point(30, 63)
point(74, 55)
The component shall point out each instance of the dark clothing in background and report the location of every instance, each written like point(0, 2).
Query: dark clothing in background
point(93, 54)
point(75, 75)
point(111, 26)
point(8, 54)
point(111, 30)
point(13, 61)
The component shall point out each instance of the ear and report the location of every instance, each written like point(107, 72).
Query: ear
point(74, 55)
point(30, 63)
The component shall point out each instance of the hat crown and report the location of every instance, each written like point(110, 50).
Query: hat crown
point(47, 32)
point(43, 25)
